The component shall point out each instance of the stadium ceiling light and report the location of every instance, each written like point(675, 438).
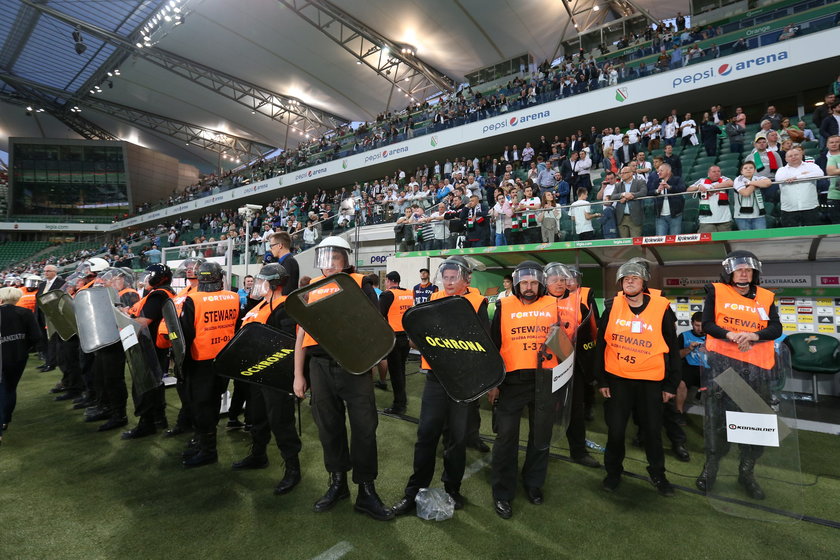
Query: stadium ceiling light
point(596, 8)
point(139, 45)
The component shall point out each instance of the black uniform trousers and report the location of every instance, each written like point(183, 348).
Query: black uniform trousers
point(151, 405)
point(68, 361)
point(273, 412)
point(576, 431)
point(9, 379)
point(437, 410)
point(396, 369)
point(86, 364)
point(52, 348)
point(205, 389)
point(109, 366)
point(239, 396)
point(644, 398)
point(184, 419)
point(515, 393)
point(717, 402)
point(336, 392)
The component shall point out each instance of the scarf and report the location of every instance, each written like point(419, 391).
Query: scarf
point(723, 198)
point(771, 157)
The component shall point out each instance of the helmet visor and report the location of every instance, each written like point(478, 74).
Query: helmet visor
point(632, 269)
point(331, 258)
point(528, 274)
point(732, 264)
point(261, 288)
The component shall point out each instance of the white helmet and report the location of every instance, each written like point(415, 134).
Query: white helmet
point(328, 249)
point(97, 264)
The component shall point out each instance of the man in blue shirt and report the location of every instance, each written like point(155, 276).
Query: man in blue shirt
point(245, 291)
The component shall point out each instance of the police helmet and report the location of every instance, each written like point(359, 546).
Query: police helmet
point(188, 267)
point(123, 273)
point(210, 277)
point(96, 265)
point(31, 280)
point(632, 269)
point(557, 277)
point(159, 275)
point(269, 278)
point(528, 269)
point(330, 246)
point(740, 259)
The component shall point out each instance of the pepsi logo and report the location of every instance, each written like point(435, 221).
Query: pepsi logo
point(512, 121)
point(310, 173)
point(385, 153)
point(724, 69)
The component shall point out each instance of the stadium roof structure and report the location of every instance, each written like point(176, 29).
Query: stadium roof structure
point(202, 79)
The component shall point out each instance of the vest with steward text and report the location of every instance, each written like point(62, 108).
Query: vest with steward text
point(737, 313)
point(525, 327)
point(321, 293)
point(639, 354)
point(215, 321)
point(403, 300)
point(472, 295)
point(27, 300)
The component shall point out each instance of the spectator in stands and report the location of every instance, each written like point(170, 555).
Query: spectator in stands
point(582, 215)
point(527, 211)
point(830, 125)
point(799, 198)
point(832, 167)
point(477, 220)
point(669, 131)
point(609, 228)
point(547, 179)
point(610, 162)
point(715, 214)
point(626, 152)
point(669, 209)
point(673, 160)
point(629, 213)
point(153, 255)
point(749, 202)
point(502, 213)
point(807, 133)
point(709, 132)
point(766, 165)
point(735, 132)
point(774, 117)
point(549, 218)
point(688, 131)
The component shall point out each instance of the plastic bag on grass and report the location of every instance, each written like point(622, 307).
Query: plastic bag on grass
point(434, 503)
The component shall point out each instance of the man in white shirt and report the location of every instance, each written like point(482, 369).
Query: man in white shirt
point(715, 214)
point(633, 134)
point(654, 134)
point(669, 131)
point(581, 214)
point(609, 227)
point(799, 198)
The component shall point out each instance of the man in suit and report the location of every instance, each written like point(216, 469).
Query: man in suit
point(830, 125)
point(52, 281)
point(629, 215)
point(626, 152)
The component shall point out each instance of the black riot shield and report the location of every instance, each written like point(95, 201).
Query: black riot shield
point(344, 322)
point(58, 310)
point(752, 449)
point(95, 319)
point(259, 354)
point(140, 355)
point(175, 334)
point(448, 334)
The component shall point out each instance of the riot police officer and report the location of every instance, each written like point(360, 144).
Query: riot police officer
point(337, 394)
point(741, 320)
point(208, 320)
point(273, 409)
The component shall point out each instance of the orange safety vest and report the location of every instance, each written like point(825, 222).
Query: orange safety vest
point(262, 311)
point(475, 298)
point(162, 340)
point(137, 308)
point(525, 327)
point(215, 321)
point(85, 287)
point(640, 354)
point(27, 300)
point(570, 315)
point(403, 300)
point(738, 313)
point(321, 293)
point(127, 291)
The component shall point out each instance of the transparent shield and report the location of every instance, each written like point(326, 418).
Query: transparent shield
point(174, 333)
point(95, 319)
point(57, 307)
point(752, 467)
point(554, 387)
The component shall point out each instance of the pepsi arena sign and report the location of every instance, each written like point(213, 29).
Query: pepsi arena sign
point(727, 69)
point(310, 173)
point(514, 121)
point(386, 154)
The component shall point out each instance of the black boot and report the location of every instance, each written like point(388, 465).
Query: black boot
point(338, 490)
point(746, 478)
point(206, 452)
point(291, 477)
point(114, 422)
point(368, 502)
point(256, 459)
point(192, 448)
point(706, 481)
point(144, 428)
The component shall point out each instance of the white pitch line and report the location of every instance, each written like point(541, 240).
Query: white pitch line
point(477, 466)
point(335, 552)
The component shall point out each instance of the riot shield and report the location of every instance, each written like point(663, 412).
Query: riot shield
point(261, 355)
point(140, 355)
point(175, 334)
point(58, 310)
point(345, 323)
point(553, 388)
point(752, 449)
point(95, 319)
point(448, 334)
